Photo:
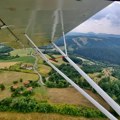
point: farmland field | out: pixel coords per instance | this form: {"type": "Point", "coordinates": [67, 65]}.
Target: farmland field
{"type": "Point", "coordinates": [71, 96]}
{"type": "Point", "coordinates": [6, 64]}
{"type": "Point", "coordinates": [44, 69]}
{"type": "Point", "coordinates": [39, 116]}
{"type": "Point", "coordinates": [21, 52]}
{"type": "Point", "coordinates": [25, 59]}
{"type": "Point", "coordinates": [7, 78]}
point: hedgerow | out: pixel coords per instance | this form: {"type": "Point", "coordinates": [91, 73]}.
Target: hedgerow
{"type": "Point", "coordinates": [27, 104]}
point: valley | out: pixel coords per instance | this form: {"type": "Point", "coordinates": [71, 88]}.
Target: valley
{"type": "Point", "coordinates": [21, 82]}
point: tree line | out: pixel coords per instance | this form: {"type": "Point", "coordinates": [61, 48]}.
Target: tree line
{"type": "Point", "coordinates": [27, 104]}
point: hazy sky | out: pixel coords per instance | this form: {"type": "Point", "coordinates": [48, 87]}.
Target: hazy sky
{"type": "Point", "coordinates": [106, 21]}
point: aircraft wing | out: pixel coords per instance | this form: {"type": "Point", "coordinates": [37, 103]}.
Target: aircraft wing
{"type": "Point", "coordinates": [36, 17]}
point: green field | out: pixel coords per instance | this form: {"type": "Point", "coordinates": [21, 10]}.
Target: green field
{"type": "Point", "coordinates": [25, 59]}
{"type": "Point", "coordinates": [21, 52]}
